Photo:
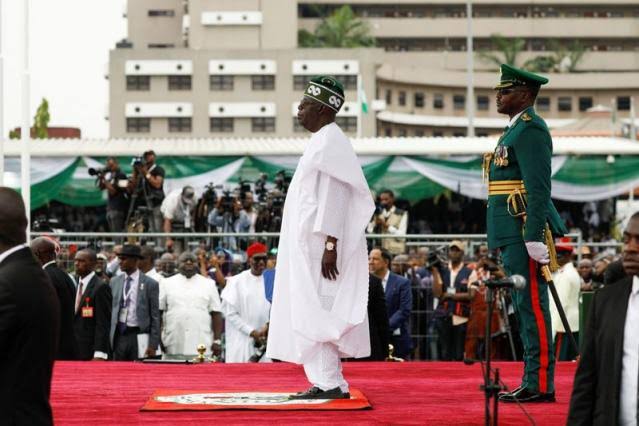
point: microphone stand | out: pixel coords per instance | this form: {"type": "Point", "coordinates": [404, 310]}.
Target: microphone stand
{"type": "Point", "coordinates": [491, 387]}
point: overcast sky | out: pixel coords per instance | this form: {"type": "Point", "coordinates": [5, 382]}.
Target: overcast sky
{"type": "Point", "coordinates": [69, 49]}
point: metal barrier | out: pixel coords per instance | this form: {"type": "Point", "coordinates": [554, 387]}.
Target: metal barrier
{"type": "Point", "coordinates": [421, 335]}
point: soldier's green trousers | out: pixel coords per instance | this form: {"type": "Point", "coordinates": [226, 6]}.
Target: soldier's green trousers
{"type": "Point", "coordinates": [533, 314]}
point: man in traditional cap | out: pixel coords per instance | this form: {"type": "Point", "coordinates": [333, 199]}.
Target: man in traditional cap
{"type": "Point", "coordinates": [246, 309]}
{"type": "Point", "coordinates": [518, 215]}
{"type": "Point", "coordinates": [321, 285]}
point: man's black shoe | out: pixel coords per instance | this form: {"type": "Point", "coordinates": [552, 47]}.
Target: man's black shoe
{"type": "Point", "coordinates": [509, 392]}
{"type": "Point", "coordinates": [317, 393]}
{"type": "Point", "coordinates": [523, 395]}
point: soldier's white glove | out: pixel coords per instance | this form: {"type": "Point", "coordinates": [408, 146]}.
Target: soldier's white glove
{"type": "Point", "coordinates": [538, 252]}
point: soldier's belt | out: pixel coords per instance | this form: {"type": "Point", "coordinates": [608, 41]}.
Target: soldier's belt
{"type": "Point", "coordinates": [505, 187]}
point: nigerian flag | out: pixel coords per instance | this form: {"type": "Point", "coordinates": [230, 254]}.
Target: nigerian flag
{"type": "Point", "coordinates": [361, 96]}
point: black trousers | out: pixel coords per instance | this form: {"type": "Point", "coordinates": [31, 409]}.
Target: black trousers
{"type": "Point", "coordinates": [125, 345]}
{"type": "Point", "coordinates": [451, 339]}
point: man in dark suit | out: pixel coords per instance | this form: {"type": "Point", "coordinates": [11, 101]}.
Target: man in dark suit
{"type": "Point", "coordinates": [45, 251]}
{"type": "Point", "coordinates": [92, 309]}
{"type": "Point", "coordinates": [29, 320]}
{"type": "Point", "coordinates": [377, 320]}
{"type": "Point", "coordinates": [135, 315]}
{"type": "Point", "coordinates": [605, 389]}
{"type": "Point", "coordinates": [399, 300]}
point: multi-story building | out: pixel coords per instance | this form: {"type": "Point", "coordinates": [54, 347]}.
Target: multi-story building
{"type": "Point", "coordinates": [233, 68]}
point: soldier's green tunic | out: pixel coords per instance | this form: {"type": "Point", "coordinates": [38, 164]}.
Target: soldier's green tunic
{"type": "Point", "coordinates": [527, 148]}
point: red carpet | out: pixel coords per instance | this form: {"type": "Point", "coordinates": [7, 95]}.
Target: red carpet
{"type": "Point", "coordinates": [112, 393]}
{"type": "Point", "coordinates": [194, 400]}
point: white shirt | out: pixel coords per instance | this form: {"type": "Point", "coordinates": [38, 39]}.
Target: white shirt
{"type": "Point", "coordinates": [154, 274]}
{"type": "Point", "coordinates": [568, 284]}
{"type": "Point", "coordinates": [385, 280]}
{"type": "Point", "coordinates": [51, 262]}
{"type": "Point", "coordinates": [515, 117]}
{"type": "Point", "coordinates": [187, 304]}
{"type": "Point", "coordinates": [132, 307]}
{"type": "Point", "coordinates": [630, 360]}
{"type": "Point", "coordinates": [12, 250]}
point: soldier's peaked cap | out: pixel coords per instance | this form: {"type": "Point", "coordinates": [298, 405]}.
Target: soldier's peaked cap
{"type": "Point", "coordinates": [512, 76]}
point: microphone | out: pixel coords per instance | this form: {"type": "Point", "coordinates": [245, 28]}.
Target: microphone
{"type": "Point", "coordinates": [516, 281]}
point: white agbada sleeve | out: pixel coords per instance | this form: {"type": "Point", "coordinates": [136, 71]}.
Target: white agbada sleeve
{"type": "Point", "coordinates": [214, 305]}
{"type": "Point", "coordinates": [332, 194]}
{"type": "Point", "coordinates": [230, 309]}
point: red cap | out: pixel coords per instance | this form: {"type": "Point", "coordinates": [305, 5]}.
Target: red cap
{"type": "Point", "coordinates": [256, 248]}
{"type": "Point", "coordinates": [564, 245]}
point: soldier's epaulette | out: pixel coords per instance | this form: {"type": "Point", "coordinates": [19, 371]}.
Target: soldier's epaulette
{"type": "Point", "coordinates": [526, 117]}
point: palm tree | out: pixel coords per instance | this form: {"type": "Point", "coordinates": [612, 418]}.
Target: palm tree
{"type": "Point", "coordinates": [508, 50]}
{"type": "Point", "coordinates": [341, 29]}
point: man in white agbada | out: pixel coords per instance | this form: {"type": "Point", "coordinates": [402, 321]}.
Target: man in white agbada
{"type": "Point", "coordinates": [191, 312]}
{"type": "Point", "coordinates": [246, 310]}
{"type": "Point", "coordinates": [321, 284]}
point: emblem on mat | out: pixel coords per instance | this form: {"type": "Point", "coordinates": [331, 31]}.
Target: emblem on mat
{"type": "Point", "coordinates": [238, 398]}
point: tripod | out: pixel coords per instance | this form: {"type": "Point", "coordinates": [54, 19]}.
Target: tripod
{"type": "Point", "coordinates": [491, 387]}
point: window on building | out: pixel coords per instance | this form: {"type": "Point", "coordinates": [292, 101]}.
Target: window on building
{"type": "Point", "coordinates": [161, 12]}
{"type": "Point", "coordinates": [300, 82]}
{"type": "Point", "coordinates": [160, 45]}
{"type": "Point", "coordinates": [388, 132]}
{"type": "Point", "coordinates": [347, 124]}
{"type": "Point", "coordinates": [221, 124]}
{"type": "Point", "coordinates": [138, 125]}
{"type": "Point", "coordinates": [483, 103]}
{"type": "Point", "coordinates": [459, 134]}
{"type": "Point", "coordinates": [348, 81]}
{"type": "Point", "coordinates": [263, 124]}
{"type": "Point", "coordinates": [420, 100]}
{"type": "Point", "coordinates": [401, 98]}
{"type": "Point", "coordinates": [389, 96]}
{"type": "Point", "coordinates": [585, 103]}
{"type": "Point", "coordinates": [482, 134]}
{"type": "Point", "coordinates": [543, 103]}
{"type": "Point", "coordinates": [221, 82]}
{"type": "Point", "coordinates": [138, 82]}
{"type": "Point", "coordinates": [438, 101]}
{"type": "Point", "coordinates": [179, 124]}
{"type": "Point", "coordinates": [438, 134]}
{"type": "Point", "coordinates": [401, 133]}
{"type": "Point", "coordinates": [623, 103]}
{"type": "Point", "coordinates": [564, 103]}
{"type": "Point", "coordinates": [179, 82]}
{"type": "Point", "coordinates": [459, 101]}
{"type": "Point", "coordinates": [263, 82]}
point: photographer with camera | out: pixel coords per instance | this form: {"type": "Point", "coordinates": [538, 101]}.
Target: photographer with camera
{"type": "Point", "coordinates": [178, 210]}
{"type": "Point", "coordinates": [111, 179]}
{"type": "Point", "coordinates": [486, 268]}
{"type": "Point", "coordinates": [388, 219]}
{"type": "Point", "coordinates": [147, 188]}
{"type": "Point", "coordinates": [229, 217]}
{"type": "Point", "coordinates": [450, 286]}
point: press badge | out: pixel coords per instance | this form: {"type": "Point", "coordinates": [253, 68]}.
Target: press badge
{"type": "Point", "coordinates": [450, 290]}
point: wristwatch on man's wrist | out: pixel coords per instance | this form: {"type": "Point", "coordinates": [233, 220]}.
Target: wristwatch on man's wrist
{"type": "Point", "coordinates": [217, 342]}
{"type": "Point", "coordinates": [330, 246]}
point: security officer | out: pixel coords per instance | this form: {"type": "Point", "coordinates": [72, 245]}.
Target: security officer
{"type": "Point", "coordinates": [521, 222]}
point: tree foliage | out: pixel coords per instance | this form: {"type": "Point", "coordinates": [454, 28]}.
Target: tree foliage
{"type": "Point", "coordinates": [341, 29]}
{"type": "Point", "coordinates": [41, 120]}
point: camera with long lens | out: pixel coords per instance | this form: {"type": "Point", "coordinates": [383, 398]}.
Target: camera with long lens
{"type": "Point", "coordinates": [137, 161]}
{"type": "Point", "coordinates": [260, 187]}
{"type": "Point", "coordinates": [434, 260]}
{"type": "Point", "coordinates": [226, 202]}
{"type": "Point", "coordinates": [99, 173]}
{"type": "Point", "coordinates": [282, 181]}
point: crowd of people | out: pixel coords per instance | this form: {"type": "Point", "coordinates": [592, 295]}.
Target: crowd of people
{"type": "Point", "coordinates": [427, 303]}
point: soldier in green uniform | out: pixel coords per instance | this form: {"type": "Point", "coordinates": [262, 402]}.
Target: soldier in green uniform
{"type": "Point", "coordinates": [521, 222]}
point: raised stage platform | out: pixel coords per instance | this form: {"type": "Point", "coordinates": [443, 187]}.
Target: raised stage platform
{"type": "Point", "coordinates": [424, 393]}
